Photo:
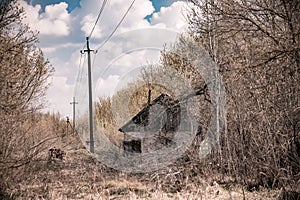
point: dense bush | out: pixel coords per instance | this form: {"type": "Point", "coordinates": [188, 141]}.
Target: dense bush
{"type": "Point", "coordinates": [23, 75]}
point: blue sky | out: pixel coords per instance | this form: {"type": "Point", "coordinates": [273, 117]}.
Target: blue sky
{"type": "Point", "coordinates": [72, 4]}
{"type": "Point", "coordinates": [64, 25]}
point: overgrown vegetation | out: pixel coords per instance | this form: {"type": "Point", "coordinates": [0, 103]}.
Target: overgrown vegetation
{"type": "Point", "coordinates": [256, 46]}
{"type": "Point", "coordinates": [23, 75]}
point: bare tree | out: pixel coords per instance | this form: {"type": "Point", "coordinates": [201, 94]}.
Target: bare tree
{"type": "Point", "coordinates": [256, 45]}
{"type": "Point", "coordinates": [23, 75]}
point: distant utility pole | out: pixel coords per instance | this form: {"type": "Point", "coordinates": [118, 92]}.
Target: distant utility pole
{"type": "Point", "coordinates": [74, 102]}
{"type": "Point", "coordinates": [88, 50]}
{"type": "Point", "coordinates": [68, 122]}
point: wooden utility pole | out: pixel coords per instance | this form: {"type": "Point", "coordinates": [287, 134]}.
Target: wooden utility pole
{"type": "Point", "coordinates": [68, 122]}
{"type": "Point", "coordinates": [73, 102]}
{"type": "Point", "coordinates": [149, 94]}
{"type": "Point", "coordinates": [91, 120]}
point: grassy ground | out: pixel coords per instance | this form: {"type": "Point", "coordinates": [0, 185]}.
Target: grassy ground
{"type": "Point", "coordinates": [80, 176]}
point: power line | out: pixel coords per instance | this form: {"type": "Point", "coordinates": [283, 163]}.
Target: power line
{"type": "Point", "coordinates": [98, 17]}
{"type": "Point", "coordinates": [91, 120]}
{"type": "Point", "coordinates": [88, 50]}
{"type": "Point", "coordinates": [79, 74]}
{"type": "Point", "coordinates": [113, 32]}
{"type": "Point", "coordinates": [74, 103]}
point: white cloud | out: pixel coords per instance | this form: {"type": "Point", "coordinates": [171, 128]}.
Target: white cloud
{"type": "Point", "coordinates": [106, 87]}
{"type": "Point", "coordinates": [58, 96]}
{"type": "Point", "coordinates": [63, 52]}
{"type": "Point", "coordinates": [54, 21]}
{"type": "Point", "coordinates": [64, 45]}
{"type": "Point", "coordinates": [87, 24]}
{"type": "Point", "coordinates": [112, 14]}
{"type": "Point", "coordinates": [172, 17]}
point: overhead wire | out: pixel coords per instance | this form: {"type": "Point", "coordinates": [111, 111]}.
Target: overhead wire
{"type": "Point", "coordinates": [118, 25]}
{"type": "Point", "coordinates": [98, 17]}
{"type": "Point", "coordinates": [80, 72]}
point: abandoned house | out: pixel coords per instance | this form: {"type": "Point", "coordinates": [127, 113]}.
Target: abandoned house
{"type": "Point", "coordinates": [154, 126]}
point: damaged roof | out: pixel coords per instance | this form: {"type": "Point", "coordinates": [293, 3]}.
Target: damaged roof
{"type": "Point", "coordinates": [161, 114]}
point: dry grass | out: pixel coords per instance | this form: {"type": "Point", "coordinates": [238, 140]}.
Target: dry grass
{"type": "Point", "coordinates": [80, 176]}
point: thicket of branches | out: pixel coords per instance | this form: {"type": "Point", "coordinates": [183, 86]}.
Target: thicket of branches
{"type": "Point", "coordinates": [23, 75]}
{"type": "Point", "coordinates": [256, 46]}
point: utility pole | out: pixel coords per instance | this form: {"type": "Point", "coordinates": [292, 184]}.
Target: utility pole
{"type": "Point", "coordinates": [74, 102]}
{"type": "Point", "coordinates": [68, 122]}
{"type": "Point", "coordinates": [91, 120]}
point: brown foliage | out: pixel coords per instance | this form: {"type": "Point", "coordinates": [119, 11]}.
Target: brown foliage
{"type": "Point", "coordinates": [256, 45]}
{"type": "Point", "coordinates": [23, 75]}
